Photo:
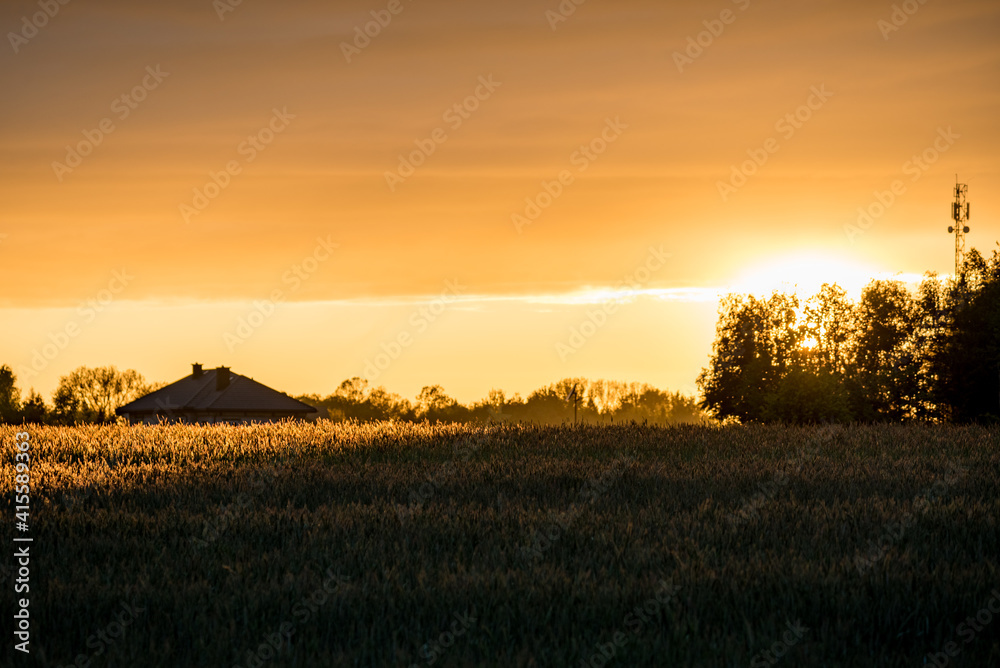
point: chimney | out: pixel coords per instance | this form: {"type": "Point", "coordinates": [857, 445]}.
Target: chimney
{"type": "Point", "coordinates": [221, 378]}
{"type": "Point", "coordinates": [196, 370]}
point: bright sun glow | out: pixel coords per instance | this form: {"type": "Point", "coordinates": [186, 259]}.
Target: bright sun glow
{"type": "Point", "coordinates": [804, 274]}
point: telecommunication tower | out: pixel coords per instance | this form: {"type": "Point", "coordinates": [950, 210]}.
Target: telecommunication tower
{"type": "Point", "coordinates": [959, 214]}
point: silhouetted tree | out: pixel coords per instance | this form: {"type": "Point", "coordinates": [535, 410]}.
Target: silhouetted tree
{"type": "Point", "coordinates": [966, 354]}
{"type": "Point", "coordinates": [433, 403]}
{"type": "Point", "coordinates": [34, 410]}
{"type": "Point", "coordinates": [388, 406]}
{"type": "Point", "coordinates": [65, 406]}
{"type": "Point", "coordinates": [755, 346]}
{"type": "Point", "coordinates": [829, 321]}
{"type": "Point", "coordinates": [894, 355]}
{"type": "Point", "coordinates": [888, 362]}
{"type": "Point", "coordinates": [94, 394]}
{"type": "Point", "coordinates": [808, 395]}
{"type": "Point", "coordinates": [353, 389]}
{"type": "Point", "coordinates": [10, 396]}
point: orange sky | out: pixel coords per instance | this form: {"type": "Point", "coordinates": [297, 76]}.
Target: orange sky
{"type": "Point", "coordinates": [267, 93]}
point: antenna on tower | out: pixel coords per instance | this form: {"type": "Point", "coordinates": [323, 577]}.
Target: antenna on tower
{"type": "Point", "coordinates": [959, 214]}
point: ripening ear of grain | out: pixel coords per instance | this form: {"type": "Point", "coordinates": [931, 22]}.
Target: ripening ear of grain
{"type": "Point", "coordinates": [297, 544]}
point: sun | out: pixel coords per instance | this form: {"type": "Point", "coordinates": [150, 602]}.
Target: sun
{"type": "Point", "coordinates": [803, 274]}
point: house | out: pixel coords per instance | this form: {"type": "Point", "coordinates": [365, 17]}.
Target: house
{"type": "Point", "coordinates": [214, 395]}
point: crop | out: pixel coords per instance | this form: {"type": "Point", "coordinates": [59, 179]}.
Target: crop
{"type": "Point", "coordinates": [302, 544]}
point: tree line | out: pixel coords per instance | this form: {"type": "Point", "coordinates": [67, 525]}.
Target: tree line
{"type": "Point", "coordinates": [91, 395]}
{"type": "Point", "coordinates": [84, 395]}
{"type": "Point", "coordinates": [893, 355]}
{"type": "Point", "coordinates": [595, 402]}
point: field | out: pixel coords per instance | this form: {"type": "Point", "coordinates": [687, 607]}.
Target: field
{"type": "Point", "coordinates": [407, 545]}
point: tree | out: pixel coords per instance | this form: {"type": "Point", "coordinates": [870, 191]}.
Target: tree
{"type": "Point", "coordinates": [887, 360]}
{"type": "Point", "coordinates": [684, 410]}
{"type": "Point", "coordinates": [755, 345]}
{"type": "Point", "coordinates": [353, 390]}
{"type": "Point", "coordinates": [966, 352]}
{"type": "Point", "coordinates": [829, 328]}
{"type": "Point", "coordinates": [496, 399]}
{"type": "Point", "coordinates": [34, 410]}
{"type": "Point", "coordinates": [65, 406]}
{"type": "Point", "coordinates": [432, 402]}
{"type": "Point", "coordinates": [808, 395]}
{"type": "Point", "coordinates": [10, 396]}
{"type": "Point", "coordinates": [388, 406]}
{"type": "Point", "coordinates": [549, 405]}
{"type": "Point", "coordinates": [94, 394]}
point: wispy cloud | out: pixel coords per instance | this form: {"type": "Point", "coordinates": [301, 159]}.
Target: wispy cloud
{"type": "Point", "coordinates": [583, 296]}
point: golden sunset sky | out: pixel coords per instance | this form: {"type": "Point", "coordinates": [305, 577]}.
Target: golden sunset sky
{"type": "Point", "coordinates": [228, 183]}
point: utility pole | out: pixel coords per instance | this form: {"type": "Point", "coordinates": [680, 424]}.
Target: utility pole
{"type": "Point", "coordinates": [575, 398]}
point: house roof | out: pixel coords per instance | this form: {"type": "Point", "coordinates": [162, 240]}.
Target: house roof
{"type": "Point", "coordinates": [198, 394]}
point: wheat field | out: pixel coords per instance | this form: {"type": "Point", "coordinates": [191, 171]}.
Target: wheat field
{"type": "Point", "coordinates": [392, 544]}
